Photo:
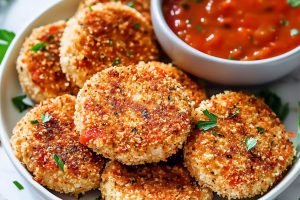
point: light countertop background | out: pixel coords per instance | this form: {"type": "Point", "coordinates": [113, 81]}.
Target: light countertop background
{"type": "Point", "coordinates": [14, 15]}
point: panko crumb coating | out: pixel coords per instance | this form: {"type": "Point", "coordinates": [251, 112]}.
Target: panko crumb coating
{"type": "Point", "coordinates": [153, 182]}
{"type": "Point", "coordinates": [39, 70]}
{"type": "Point", "coordinates": [133, 114]}
{"type": "Point", "coordinates": [102, 36]}
{"type": "Point", "coordinates": [35, 143]}
{"type": "Point", "coordinates": [143, 6]}
{"type": "Point", "coordinates": [195, 91]}
{"type": "Point", "coordinates": [218, 158]}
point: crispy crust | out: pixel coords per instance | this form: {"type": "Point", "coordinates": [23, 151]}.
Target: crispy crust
{"type": "Point", "coordinates": [218, 158]}
{"type": "Point", "coordinates": [150, 182]}
{"type": "Point", "coordinates": [133, 114]}
{"type": "Point", "coordinates": [195, 91]}
{"type": "Point", "coordinates": [106, 35]}
{"type": "Point", "coordinates": [143, 6]}
{"type": "Point", "coordinates": [35, 144]}
{"type": "Point", "coordinates": [39, 72]}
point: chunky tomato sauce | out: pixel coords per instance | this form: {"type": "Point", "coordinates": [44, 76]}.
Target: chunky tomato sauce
{"type": "Point", "coordinates": [236, 29]}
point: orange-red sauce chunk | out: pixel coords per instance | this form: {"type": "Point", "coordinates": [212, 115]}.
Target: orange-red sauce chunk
{"type": "Point", "coordinates": [235, 29]}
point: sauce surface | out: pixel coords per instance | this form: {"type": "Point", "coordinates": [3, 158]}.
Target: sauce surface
{"type": "Point", "coordinates": [235, 29]}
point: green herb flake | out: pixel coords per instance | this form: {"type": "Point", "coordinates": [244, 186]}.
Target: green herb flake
{"type": "Point", "coordinates": [275, 103]}
{"type": "Point", "coordinates": [46, 117]}
{"type": "Point", "coordinates": [198, 1]}
{"type": "Point", "coordinates": [6, 38]}
{"type": "Point", "coordinates": [294, 32]}
{"type": "Point", "coordinates": [59, 162]}
{"type": "Point", "coordinates": [230, 57]}
{"type": "Point", "coordinates": [235, 112]}
{"type": "Point", "coordinates": [131, 4]}
{"type": "Point", "coordinates": [199, 28]}
{"type": "Point", "coordinates": [260, 129]}
{"type": "Point", "coordinates": [185, 6]}
{"type": "Point", "coordinates": [137, 26]}
{"type": "Point", "coordinates": [41, 46]}
{"type": "Point", "coordinates": [117, 61]}
{"type": "Point", "coordinates": [128, 53]}
{"type": "Point", "coordinates": [250, 143]}
{"type": "Point", "coordinates": [110, 42]}
{"type": "Point", "coordinates": [18, 185]}
{"type": "Point", "coordinates": [34, 121]}
{"type": "Point", "coordinates": [284, 22]}
{"type": "Point", "coordinates": [206, 125]}
{"type": "Point", "coordinates": [90, 7]}
{"type": "Point", "coordinates": [294, 3]}
{"type": "Point", "coordinates": [19, 104]}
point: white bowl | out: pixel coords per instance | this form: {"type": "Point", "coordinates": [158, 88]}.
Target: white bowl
{"type": "Point", "coordinates": [215, 69]}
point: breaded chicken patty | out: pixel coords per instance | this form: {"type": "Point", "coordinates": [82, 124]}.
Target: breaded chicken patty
{"type": "Point", "coordinates": [102, 36]}
{"type": "Point", "coordinates": [240, 148]}
{"type": "Point", "coordinates": [38, 64]}
{"type": "Point", "coordinates": [143, 6]}
{"type": "Point", "coordinates": [133, 114]}
{"type": "Point", "coordinates": [195, 91]}
{"type": "Point", "coordinates": [46, 142]}
{"type": "Point", "coordinates": [153, 182]}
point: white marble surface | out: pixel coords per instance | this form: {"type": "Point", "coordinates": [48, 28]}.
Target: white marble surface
{"type": "Point", "coordinates": [13, 16]}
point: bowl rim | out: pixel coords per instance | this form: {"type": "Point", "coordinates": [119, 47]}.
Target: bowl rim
{"type": "Point", "coordinates": [157, 14]}
{"type": "Point", "coordinates": [4, 136]}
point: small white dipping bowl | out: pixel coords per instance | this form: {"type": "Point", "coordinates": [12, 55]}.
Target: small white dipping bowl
{"type": "Point", "coordinates": [219, 70]}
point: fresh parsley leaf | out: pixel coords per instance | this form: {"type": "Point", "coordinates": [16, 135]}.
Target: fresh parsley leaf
{"type": "Point", "coordinates": [294, 32]}
{"type": "Point", "coordinates": [90, 7]}
{"type": "Point", "coordinates": [59, 162]}
{"type": "Point", "coordinates": [34, 122]}
{"type": "Point", "coordinates": [260, 129]}
{"type": "Point", "coordinates": [18, 185]}
{"type": "Point", "coordinates": [284, 22]}
{"type": "Point", "coordinates": [250, 143]}
{"type": "Point", "coordinates": [275, 103]}
{"type": "Point", "coordinates": [198, 1]}
{"type": "Point", "coordinates": [131, 4]}
{"type": "Point", "coordinates": [235, 112]}
{"type": "Point", "coordinates": [110, 42]}
{"type": "Point", "coordinates": [206, 125]}
{"type": "Point", "coordinates": [41, 46]}
{"type": "Point", "coordinates": [117, 61]}
{"type": "Point", "coordinates": [137, 26]}
{"type": "Point", "coordinates": [46, 117]}
{"type": "Point", "coordinates": [199, 28]}
{"type": "Point", "coordinates": [185, 6]}
{"type": "Point", "coordinates": [6, 38]}
{"type": "Point", "coordinates": [128, 53]}
{"type": "Point", "coordinates": [294, 3]}
{"type": "Point", "coordinates": [20, 104]}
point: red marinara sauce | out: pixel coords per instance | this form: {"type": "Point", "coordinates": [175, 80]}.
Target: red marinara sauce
{"type": "Point", "coordinates": [236, 29]}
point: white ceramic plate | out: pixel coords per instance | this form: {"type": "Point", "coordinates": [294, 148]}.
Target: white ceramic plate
{"type": "Point", "coordinates": [288, 88]}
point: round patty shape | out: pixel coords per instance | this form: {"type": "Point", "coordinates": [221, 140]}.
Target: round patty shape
{"type": "Point", "coordinates": [46, 137]}
{"type": "Point", "coordinates": [38, 64]}
{"type": "Point", "coordinates": [245, 154]}
{"type": "Point", "coordinates": [195, 91]}
{"type": "Point", "coordinates": [102, 36]}
{"type": "Point", "coordinates": [143, 6]}
{"type": "Point", "coordinates": [150, 182]}
{"type": "Point", "coordinates": [133, 114]}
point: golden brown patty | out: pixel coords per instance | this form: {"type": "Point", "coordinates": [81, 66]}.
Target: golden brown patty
{"type": "Point", "coordinates": [218, 158]}
{"type": "Point", "coordinates": [133, 114]}
{"type": "Point", "coordinates": [102, 36]}
{"type": "Point", "coordinates": [143, 6]}
{"type": "Point", "coordinates": [38, 64]}
{"type": "Point", "coordinates": [35, 144]}
{"type": "Point", "coordinates": [195, 91]}
{"type": "Point", "coordinates": [150, 182]}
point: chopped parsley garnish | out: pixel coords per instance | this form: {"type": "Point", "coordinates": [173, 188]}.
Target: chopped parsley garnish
{"type": "Point", "coordinates": [185, 6]}
{"type": "Point", "coordinates": [131, 4]}
{"type": "Point", "coordinates": [199, 28]}
{"type": "Point", "coordinates": [90, 8]}
{"type": "Point", "coordinates": [46, 117]}
{"type": "Point", "coordinates": [137, 26]}
{"type": "Point", "coordinates": [128, 53]}
{"type": "Point", "coordinates": [20, 104]}
{"type": "Point", "coordinates": [18, 185]}
{"type": "Point", "coordinates": [117, 61]}
{"type": "Point", "coordinates": [206, 125]}
{"type": "Point", "coordinates": [275, 103]}
{"type": "Point", "coordinates": [235, 112]}
{"type": "Point", "coordinates": [294, 32]}
{"type": "Point", "coordinates": [41, 46]}
{"type": "Point", "coordinates": [6, 38]}
{"type": "Point", "coordinates": [250, 143]}
{"type": "Point", "coordinates": [34, 121]}
{"type": "Point", "coordinates": [59, 162]}
{"type": "Point", "coordinates": [230, 58]}
{"type": "Point", "coordinates": [198, 1]}
{"type": "Point", "coordinates": [284, 22]}
{"type": "Point", "coordinates": [110, 42]}
{"type": "Point", "coordinates": [294, 3]}
{"type": "Point", "coordinates": [260, 129]}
